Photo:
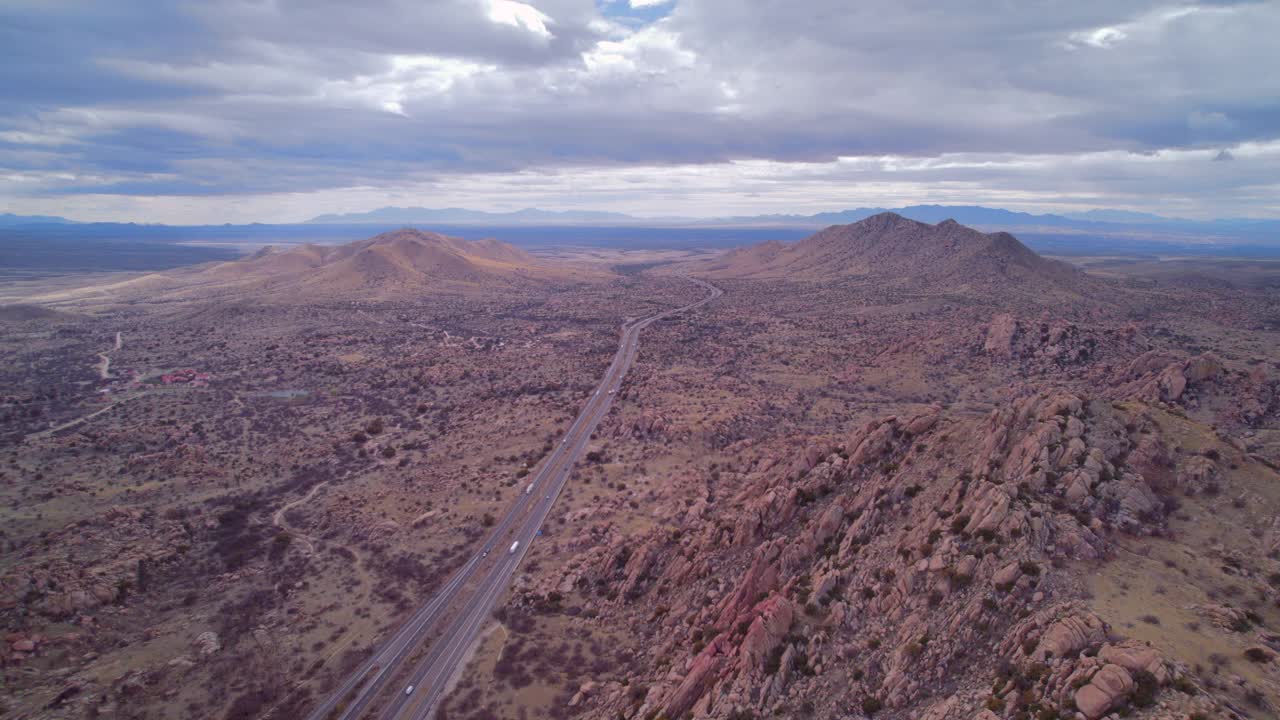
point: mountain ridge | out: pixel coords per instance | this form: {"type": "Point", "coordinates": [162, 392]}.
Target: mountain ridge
{"type": "Point", "coordinates": [1091, 220]}
{"type": "Point", "coordinates": [894, 250]}
{"type": "Point", "coordinates": [12, 220]}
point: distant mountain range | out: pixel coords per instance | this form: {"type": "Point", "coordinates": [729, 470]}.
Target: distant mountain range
{"type": "Point", "coordinates": [1104, 231]}
{"type": "Point", "coordinates": [460, 216]}
{"type": "Point", "coordinates": [9, 219]}
{"type": "Point", "coordinates": [975, 215]}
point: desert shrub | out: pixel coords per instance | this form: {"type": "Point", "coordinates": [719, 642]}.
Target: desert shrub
{"type": "Point", "coordinates": [1257, 654]}
{"type": "Point", "coordinates": [279, 545]}
{"type": "Point", "coordinates": [871, 705]}
{"type": "Point", "coordinates": [250, 705]}
{"type": "Point", "coordinates": [235, 540]}
{"type": "Point", "coordinates": [1145, 688]}
{"type": "Point", "coordinates": [1256, 698]}
{"type": "Point", "coordinates": [774, 659]}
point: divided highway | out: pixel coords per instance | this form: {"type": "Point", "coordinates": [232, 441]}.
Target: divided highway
{"type": "Point", "coordinates": [453, 618]}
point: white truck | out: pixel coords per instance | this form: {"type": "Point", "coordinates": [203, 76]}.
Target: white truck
{"type": "Point", "coordinates": [514, 545]}
{"type": "Point", "coordinates": [528, 489]}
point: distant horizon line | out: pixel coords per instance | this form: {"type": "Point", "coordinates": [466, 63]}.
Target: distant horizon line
{"type": "Point", "coordinates": [533, 215]}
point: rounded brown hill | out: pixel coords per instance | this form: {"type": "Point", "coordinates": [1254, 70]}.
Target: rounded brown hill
{"type": "Point", "coordinates": [405, 262]}
{"type": "Point", "coordinates": [891, 249]}
{"type": "Point", "coordinates": [401, 257]}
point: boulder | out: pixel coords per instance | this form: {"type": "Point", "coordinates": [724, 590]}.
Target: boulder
{"type": "Point", "coordinates": [208, 643]}
{"type": "Point", "coordinates": [766, 631]}
{"type": "Point", "coordinates": [875, 443]}
{"type": "Point", "coordinates": [1171, 383]}
{"type": "Point", "coordinates": [1000, 335]}
{"type": "Point", "coordinates": [1196, 473]}
{"type": "Point", "coordinates": [1201, 368]}
{"type": "Point", "coordinates": [828, 524]}
{"type": "Point", "coordinates": [700, 676]}
{"type": "Point", "coordinates": [1007, 575]}
{"type": "Point", "coordinates": [1135, 657]}
{"type": "Point", "coordinates": [1106, 689]}
{"type": "Point", "coordinates": [1069, 635]}
{"type": "Point", "coordinates": [922, 422]}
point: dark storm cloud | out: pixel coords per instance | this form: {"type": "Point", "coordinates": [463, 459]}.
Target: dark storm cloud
{"type": "Point", "coordinates": [254, 96]}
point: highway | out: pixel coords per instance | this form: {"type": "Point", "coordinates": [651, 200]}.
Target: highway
{"type": "Point", "coordinates": [452, 619]}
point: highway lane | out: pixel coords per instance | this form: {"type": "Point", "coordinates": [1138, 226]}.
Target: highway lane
{"type": "Point", "coordinates": [429, 679]}
{"type": "Point", "coordinates": [373, 675]}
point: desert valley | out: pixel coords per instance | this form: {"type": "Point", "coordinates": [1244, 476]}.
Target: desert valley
{"type": "Point", "coordinates": [893, 470]}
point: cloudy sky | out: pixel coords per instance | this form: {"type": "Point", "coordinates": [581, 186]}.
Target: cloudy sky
{"type": "Point", "coordinates": [279, 110]}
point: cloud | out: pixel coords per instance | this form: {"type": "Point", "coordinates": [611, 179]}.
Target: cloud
{"type": "Point", "coordinates": [520, 15]}
{"type": "Point", "coordinates": [1210, 122]}
{"type": "Point", "coordinates": [238, 99]}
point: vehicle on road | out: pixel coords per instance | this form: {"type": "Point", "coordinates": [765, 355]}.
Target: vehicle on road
{"type": "Point", "coordinates": [528, 489]}
{"type": "Point", "coordinates": [484, 554]}
{"type": "Point", "coordinates": [612, 392]}
{"type": "Point", "coordinates": [408, 690]}
{"type": "Point", "coordinates": [514, 545]}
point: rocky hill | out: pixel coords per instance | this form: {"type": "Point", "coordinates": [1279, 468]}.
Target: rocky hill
{"type": "Point", "coordinates": [405, 257]}
{"type": "Point", "coordinates": [889, 248]}
{"type": "Point", "coordinates": [387, 266]}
